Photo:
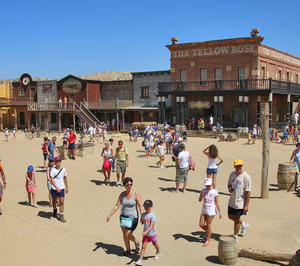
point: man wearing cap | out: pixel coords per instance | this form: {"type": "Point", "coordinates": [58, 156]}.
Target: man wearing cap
{"type": "Point", "coordinates": [72, 145]}
{"type": "Point", "coordinates": [239, 185]}
{"type": "Point", "coordinates": [59, 188]}
{"type": "Point", "coordinates": [2, 183]}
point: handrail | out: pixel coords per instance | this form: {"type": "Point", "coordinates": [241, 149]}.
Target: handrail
{"type": "Point", "coordinates": [86, 117]}
{"type": "Point", "coordinates": [82, 104]}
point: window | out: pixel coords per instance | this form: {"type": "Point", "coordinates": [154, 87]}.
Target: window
{"type": "Point", "coordinates": [21, 92]}
{"type": "Point", "coordinates": [145, 92]}
{"type": "Point", "coordinates": [279, 75]}
{"type": "Point", "coordinates": [107, 95]}
{"type": "Point", "coordinates": [263, 73]}
{"type": "Point", "coordinates": [218, 73]}
{"type": "Point", "coordinates": [203, 76]}
{"type": "Point", "coordinates": [297, 78]}
{"type": "Point", "coordinates": [183, 75]}
{"type": "Point", "coordinates": [287, 76]}
{"type": "Point", "coordinates": [22, 118]}
{"type": "Point", "coordinates": [117, 94]}
{"type": "Point", "coordinates": [242, 73]}
{"type": "Point", "coordinates": [126, 95]}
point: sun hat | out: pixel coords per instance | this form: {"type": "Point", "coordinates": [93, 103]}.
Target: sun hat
{"type": "Point", "coordinates": [57, 159]}
{"type": "Point", "coordinates": [30, 169]}
{"type": "Point", "coordinates": [238, 162]}
{"type": "Point", "coordinates": [207, 182]}
{"type": "Point", "coordinates": [180, 139]}
{"type": "Point", "coordinates": [148, 203]}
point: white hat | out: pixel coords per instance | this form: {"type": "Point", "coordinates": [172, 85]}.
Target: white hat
{"type": "Point", "coordinates": [207, 182]}
{"type": "Point", "coordinates": [180, 139]}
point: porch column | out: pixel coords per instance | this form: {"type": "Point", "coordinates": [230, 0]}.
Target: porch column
{"type": "Point", "coordinates": [216, 101]}
{"type": "Point", "coordinates": [182, 100]}
{"type": "Point", "coordinates": [28, 120]}
{"type": "Point", "coordinates": [159, 110]}
{"type": "Point", "coordinates": [178, 108]}
{"type": "Point", "coordinates": [221, 109]}
{"type": "Point", "coordinates": [74, 121]}
{"type": "Point", "coordinates": [288, 114]}
{"type": "Point", "coordinates": [118, 121]}
{"type": "Point", "coordinates": [59, 122]}
{"type": "Point", "coordinates": [46, 122]}
{"type": "Point", "coordinates": [142, 117]}
{"type": "Point", "coordinates": [163, 108]}
{"type": "Point", "coordinates": [270, 108]}
{"type": "Point", "coordinates": [123, 120]}
{"type": "Point", "coordinates": [246, 100]}
{"type": "Point", "coordinates": [241, 119]}
{"type": "Point", "coordinates": [1, 119]}
{"type": "Point", "coordinates": [36, 120]}
{"type": "Point", "coordinates": [258, 110]}
{"type": "Point", "coordinates": [15, 118]}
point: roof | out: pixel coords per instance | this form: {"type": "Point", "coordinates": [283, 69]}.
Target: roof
{"type": "Point", "coordinates": [151, 72]}
{"type": "Point", "coordinates": [108, 76]}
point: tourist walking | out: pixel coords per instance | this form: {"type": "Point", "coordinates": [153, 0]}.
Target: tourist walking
{"type": "Point", "coordinates": [135, 134]}
{"type": "Point", "coordinates": [131, 202]}
{"type": "Point", "coordinates": [168, 140]}
{"type": "Point", "coordinates": [32, 129]}
{"type": "Point", "coordinates": [72, 144]}
{"type": "Point", "coordinates": [108, 160]}
{"type": "Point", "coordinates": [239, 185]}
{"type": "Point", "coordinates": [31, 186]}
{"type": "Point", "coordinates": [212, 154]}
{"type": "Point", "coordinates": [295, 157]}
{"type": "Point", "coordinates": [52, 148]}
{"type": "Point", "coordinates": [149, 233]}
{"type": "Point", "coordinates": [122, 161]}
{"type": "Point", "coordinates": [183, 171]}
{"type": "Point", "coordinates": [2, 183]}
{"type": "Point", "coordinates": [14, 133]}
{"type": "Point", "coordinates": [6, 134]}
{"type": "Point", "coordinates": [211, 122]}
{"type": "Point", "coordinates": [210, 199]}
{"type": "Point", "coordinates": [111, 142]}
{"type": "Point", "coordinates": [49, 184]}
{"type": "Point", "coordinates": [160, 153]}
{"type": "Point", "coordinates": [45, 151]}
{"type": "Point", "coordinates": [59, 187]}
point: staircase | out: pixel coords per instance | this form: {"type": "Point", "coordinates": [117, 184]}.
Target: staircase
{"type": "Point", "coordinates": [85, 115]}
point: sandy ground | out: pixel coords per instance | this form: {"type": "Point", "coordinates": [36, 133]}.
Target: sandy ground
{"type": "Point", "coordinates": [30, 236]}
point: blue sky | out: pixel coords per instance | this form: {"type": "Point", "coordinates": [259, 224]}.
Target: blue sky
{"type": "Point", "coordinates": [51, 39]}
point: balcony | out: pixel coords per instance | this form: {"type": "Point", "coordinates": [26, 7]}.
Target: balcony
{"type": "Point", "coordinates": [215, 85]}
{"type": "Point", "coordinates": [51, 107]}
{"type": "Point", "coordinates": [109, 104]}
{"type": "Point", "coordinates": [15, 101]}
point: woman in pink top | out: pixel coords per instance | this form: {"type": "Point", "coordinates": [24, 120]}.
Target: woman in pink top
{"type": "Point", "coordinates": [31, 186]}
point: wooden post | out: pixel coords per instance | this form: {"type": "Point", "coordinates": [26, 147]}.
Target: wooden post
{"type": "Point", "coordinates": [1, 119]}
{"type": "Point", "coordinates": [265, 150]}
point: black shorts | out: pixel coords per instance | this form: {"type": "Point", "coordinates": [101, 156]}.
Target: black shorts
{"type": "Point", "coordinates": [235, 212]}
{"type": "Point", "coordinates": [134, 223]}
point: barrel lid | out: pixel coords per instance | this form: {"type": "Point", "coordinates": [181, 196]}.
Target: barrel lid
{"type": "Point", "coordinates": [227, 238]}
{"type": "Point", "coordinates": [287, 163]}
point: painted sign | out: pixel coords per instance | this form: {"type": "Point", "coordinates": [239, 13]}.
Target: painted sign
{"type": "Point", "coordinates": [47, 88]}
{"type": "Point", "coordinates": [72, 86]}
{"type": "Point", "coordinates": [280, 56]}
{"type": "Point", "coordinates": [199, 105]}
{"type": "Point", "coordinates": [202, 52]}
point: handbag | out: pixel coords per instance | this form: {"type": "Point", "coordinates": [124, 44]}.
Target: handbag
{"type": "Point", "coordinates": [126, 222]}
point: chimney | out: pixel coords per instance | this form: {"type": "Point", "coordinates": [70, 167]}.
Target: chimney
{"type": "Point", "coordinates": [174, 41]}
{"type": "Point", "coordinates": [255, 33]}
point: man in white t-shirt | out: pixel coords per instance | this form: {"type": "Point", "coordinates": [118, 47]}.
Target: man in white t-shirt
{"type": "Point", "coordinates": [183, 170]}
{"type": "Point", "coordinates": [59, 187]}
{"type": "Point", "coordinates": [296, 117]}
{"type": "Point", "coordinates": [211, 122]}
{"type": "Point", "coordinates": [239, 185]}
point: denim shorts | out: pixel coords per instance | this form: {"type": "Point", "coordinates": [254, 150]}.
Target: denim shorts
{"type": "Point", "coordinates": [55, 194]}
{"type": "Point", "coordinates": [45, 156]}
{"type": "Point", "coordinates": [212, 171]}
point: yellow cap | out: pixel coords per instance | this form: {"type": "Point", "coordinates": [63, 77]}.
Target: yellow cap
{"type": "Point", "coordinates": [238, 162]}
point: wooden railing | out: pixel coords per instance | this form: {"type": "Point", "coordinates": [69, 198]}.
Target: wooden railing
{"type": "Point", "coordinates": [109, 104]}
{"type": "Point", "coordinates": [16, 101]}
{"type": "Point", "coordinates": [50, 106]}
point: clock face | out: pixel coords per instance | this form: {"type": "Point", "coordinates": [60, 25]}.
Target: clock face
{"type": "Point", "coordinates": [25, 81]}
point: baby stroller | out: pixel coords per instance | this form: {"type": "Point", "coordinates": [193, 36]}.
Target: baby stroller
{"type": "Point", "coordinates": [184, 136]}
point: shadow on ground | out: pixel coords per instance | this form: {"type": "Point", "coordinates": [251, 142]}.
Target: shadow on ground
{"type": "Point", "coordinates": [102, 183]}
{"type": "Point", "coordinates": [43, 203]}
{"type": "Point", "coordinates": [166, 179]}
{"type": "Point", "coordinates": [43, 214]}
{"type": "Point", "coordinates": [24, 203]}
{"type": "Point", "coordinates": [213, 259]}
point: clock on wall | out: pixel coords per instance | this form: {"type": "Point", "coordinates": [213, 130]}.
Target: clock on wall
{"type": "Point", "coordinates": [26, 79]}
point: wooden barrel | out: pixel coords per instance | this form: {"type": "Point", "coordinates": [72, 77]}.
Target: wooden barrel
{"type": "Point", "coordinates": [286, 175]}
{"type": "Point", "coordinates": [223, 137]}
{"type": "Point", "coordinates": [296, 261]}
{"type": "Point", "coordinates": [228, 250]}
{"type": "Point", "coordinates": [232, 137]}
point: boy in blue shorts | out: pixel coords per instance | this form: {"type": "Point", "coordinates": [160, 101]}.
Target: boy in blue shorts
{"type": "Point", "coordinates": [149, 234]}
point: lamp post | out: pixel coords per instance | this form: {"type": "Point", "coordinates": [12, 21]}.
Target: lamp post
{"type": "Point", "coordinates": [182, 101]}
{"type": "Point", "coordinates": [216, 100]}
{"type": "Point", "coordinates": [221, 106]}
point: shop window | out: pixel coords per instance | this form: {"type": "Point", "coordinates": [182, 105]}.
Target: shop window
{"type": "Point", "coordinates": [218, 73]}
{"type": "Point", "coordinates": [183, 75]}
{"type": "Point", "coordinates": [263, 73]}
{"type": "Point", "coordinates": [145, 92]}
{"type": "Point", "coordinates": [21, 92]}
{"type": "Point", "coordinates": [242, 73]}
{"type": "Point", "coordinates": [203, 76]}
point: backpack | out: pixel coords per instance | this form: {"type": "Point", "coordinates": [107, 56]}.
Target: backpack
{"type": "Point", "coordinates": [106, 165]}
{"type": "Point", "coordinates": [143, 143]}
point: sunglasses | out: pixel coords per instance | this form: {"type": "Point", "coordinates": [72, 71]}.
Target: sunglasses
{"type": "Point", "coordinates": [128, 185]}
{"type": "Point", "coordinates": [120, 144]}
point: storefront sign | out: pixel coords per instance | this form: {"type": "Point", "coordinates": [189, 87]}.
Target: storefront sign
{"type": "Point", "coordinates": [199, 105]}
{"type": "Point", "coordinates": [240, 49]}
{"type": "Point", "coordinates": [72, 86]}
{"type": "Point", "coordinates": [281, 56]}
{"type": "Point", "coordinates": [47, 88]}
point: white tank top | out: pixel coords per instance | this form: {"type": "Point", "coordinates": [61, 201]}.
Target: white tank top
{"type": "Point", "coordinates": [108, 153]}
{"type": "Point", "coordinates": [212, 163]}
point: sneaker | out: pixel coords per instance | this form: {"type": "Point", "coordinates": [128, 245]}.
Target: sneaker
{"type": "Point", "coordinates": [108, 184]}
{"type": "Point", "coordinates": [54, 213]}
{"type": "Point", "coordinates": [245, 227]}
{"type": "Point", "coordinates": [175, 191]}
{"type": "Point", "coordinates": [62, 218]}
{"type": "Point", "coordinates": [117, 184]}
{"type": "Point", "coordinates": [183, 191]}
{"type": "Point", "coordinates": [139, 262]}
{"type": "Point", "coordinates": [161, 167]}
{"type": "Point", "coordinates": [236, 238]}
{"type": "Point", "coordinates": [157, 255]}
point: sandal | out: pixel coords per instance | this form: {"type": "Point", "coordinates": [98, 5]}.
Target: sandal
{"type": "Point", "coordinates": [206, 244]}
{"type": "Point", "coordinates": [126, 253]}
{"type": "Point", "coordinates": [137, 247]}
